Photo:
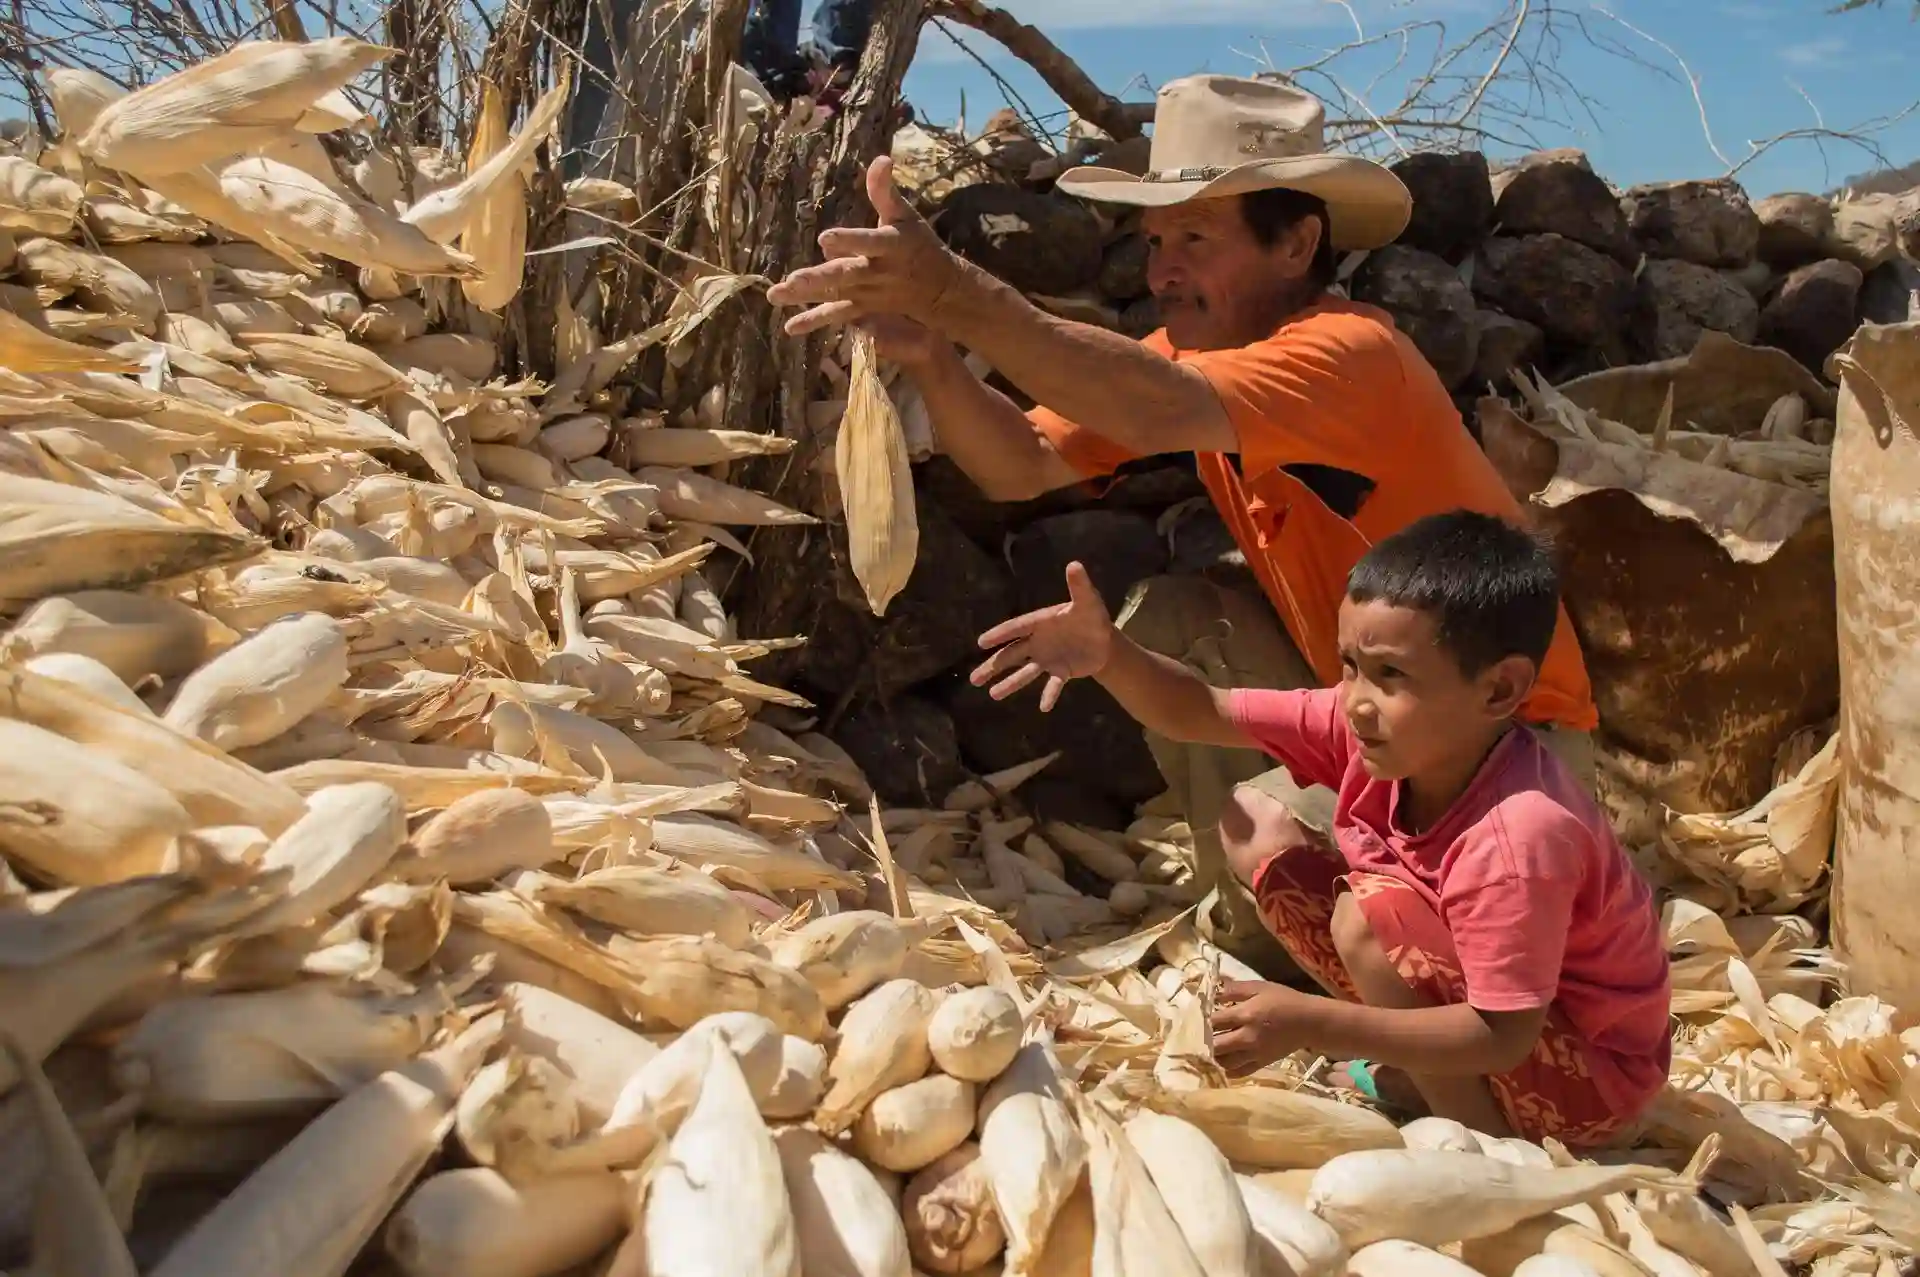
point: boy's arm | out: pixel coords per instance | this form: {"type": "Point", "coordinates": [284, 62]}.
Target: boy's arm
{"type": "Point", "coordinates": [1259, 1023]}
{"type": "Point", "coordinates": [1165, 696]}
{"type": "Point", "coordinates": [1458, 1039]}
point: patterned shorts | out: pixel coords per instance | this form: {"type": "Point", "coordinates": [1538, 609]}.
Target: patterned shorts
{"type": "Point", "coordinates": [1552, 1093]}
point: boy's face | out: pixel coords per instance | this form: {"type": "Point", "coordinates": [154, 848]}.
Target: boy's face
{"type": "Point", "coordinates": [1413, 710]}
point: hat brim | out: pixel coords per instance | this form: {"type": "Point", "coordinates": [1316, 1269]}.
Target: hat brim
{"type": "Point", "coordinates": [1368, 205]}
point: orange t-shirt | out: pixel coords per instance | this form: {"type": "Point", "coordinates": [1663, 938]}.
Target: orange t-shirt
{"type": "Point", "coordinates": [1337, 386]}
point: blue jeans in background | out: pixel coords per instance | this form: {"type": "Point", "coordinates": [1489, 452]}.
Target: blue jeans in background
{"type": "Point", "coordinates": [770, 45]}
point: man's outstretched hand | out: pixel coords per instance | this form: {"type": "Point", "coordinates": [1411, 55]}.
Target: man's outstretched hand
{"type": "Point", "coordinates": [898, 268]}
{"type": "Point", "coordinates": [1066, 641]}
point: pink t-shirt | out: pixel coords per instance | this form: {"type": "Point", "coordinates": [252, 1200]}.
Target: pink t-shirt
{"type": "Point", "coordinates": [1544, 906]}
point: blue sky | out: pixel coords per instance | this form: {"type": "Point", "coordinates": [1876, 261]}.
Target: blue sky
{"type": "Point", "coordinates": [1641, 124]}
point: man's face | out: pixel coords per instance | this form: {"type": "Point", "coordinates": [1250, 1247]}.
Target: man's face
{"type": "Point", "coordinates": [1216, 285]}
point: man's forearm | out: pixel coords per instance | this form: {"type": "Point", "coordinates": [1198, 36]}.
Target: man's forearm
{"type": "Point", "coordinates": [985, 433]}
{"type": "Point", "coordinates": [1165, 696]}
{"type": "Point", "coordinates": [1100, 380]}
{"type": "Point", "coordinates": [1450, 1040]}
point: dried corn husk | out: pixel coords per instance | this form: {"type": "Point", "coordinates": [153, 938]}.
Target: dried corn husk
{"type": "Point", "coordinates": [1033, 1150]}
{"type": "Point", "coordinates": [227, 104]}
{"type": "Point", "coordinates": [883, 1044]}
{"type": "Point", "coordinates": [368, 1147]}
{"type": "Point", "coordinates": [264, 685]}
{"type": "Point", "coordinates": [1434, 1197]}
{"type": "Point", "coordinates": [246, 1055]}
{"type": "Point", "coordinates": [653, 902]}
{"type": "Point", "coordinates": [718, 1203]}
{"type": "Point", "coordinates": [876, 483]}
{"type": "Point", "coordinates": [908, 1127]}
{"type": "Point", "coordinates": [844, 954]}
{"type": "Point", "coordinates": [34, 200]}
{"type": "Point", "coordinates": [66, 826]}
{"type": "Point", "coordinates": [214, 788]}
{"type": "Point", "coordinates": [1134, 1232]}
{"type": "Point", "coordinates": [1199, 1190]}
{"type": "Point", "coordinates": [974, 1034]}
{"type": "Point", "coordinates": [951, 1225]}
{"type": "Point", "coordinates": [473, 1223]}
{"type": "Point", "coordinates": [79, 95]}
{"type": "Point", "coordinates": [99, 280]}
{"type": "Point", "coordinates": [479, 838]}
{"type": "Point", "coordinates": [845, 1221]}
{"type": "Point", "coordinates": [298, 209]}
{"type": "Point", "coordinates": [24, 348]}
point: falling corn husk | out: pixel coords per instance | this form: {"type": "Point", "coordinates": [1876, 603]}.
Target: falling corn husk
{"type": "Point", "coordinates": [876, 483]}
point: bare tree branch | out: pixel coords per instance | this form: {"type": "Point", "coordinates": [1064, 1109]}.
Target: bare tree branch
{"type": "Point", "coordinates": [1117, 119]}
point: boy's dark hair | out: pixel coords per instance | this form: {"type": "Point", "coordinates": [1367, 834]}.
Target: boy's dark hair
{"type": "Point", "coordinates": [1271, 212]}
{"type": "Point", "coordinates": [1490, 587]}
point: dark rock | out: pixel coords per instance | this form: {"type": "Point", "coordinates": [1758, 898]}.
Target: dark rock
{"type": "Point", "coordinates": [1679, 299]}
{"type": "Point", "coordinates": [1009, 146]}
{"type": "Point", "coordinates": [1430, 303]}
{"type": "Point", "coordinates": [1709, 223]}
{"type": "Point", "coordinates": [1756, 277]}
{"type": "Point", "coordinates": [1140, 318]}
{"type": "Point", "coordinates": [1117, 548]}
{"type": "Point", "coordinates": [1887, 296]}
{"type": "Point", "coordinates": [1452, 202]}
{"type": "Point", "coordinates": [1152, 484]}
{"type": "Point", "coordinates": [1203, 546]}
{"type": "Point", "coordinates": [1101, 748]}
{"type": "Point", "coordinates": [907, 748]}
{"type": "Point", "coordinates": [1037, 242]}
{"type": "Point", "coordinates": [985, 520]}
{"type": "Point", "coordinates": [1123, 271]}
{"type": "Point", "coordinates": [1506, 343]}
{"type": "Point", "coordinates": [1201, 542]}
{"type": "Point", "coordinates": [1795, 229]}
{"type": "Point", "coordinates": [1558, 193]}
{"type": "Point", "coordinates": [1076, 804]}
{"type": "Point", "coordinates": [1129, 156]}
{"type": "Point", "coordinates": [1573, 293]}
{"type": "Point", "coordinates": [956, 591]}
{"type": "Point", "coordinates": [1814, 313]}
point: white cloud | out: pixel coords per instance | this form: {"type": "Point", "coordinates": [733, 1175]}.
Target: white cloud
{"type": "Point", "coordinates": [1825, 51]}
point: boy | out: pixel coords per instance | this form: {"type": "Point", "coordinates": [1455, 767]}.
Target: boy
{"type": "Point", "coordinates": [1493, 955]}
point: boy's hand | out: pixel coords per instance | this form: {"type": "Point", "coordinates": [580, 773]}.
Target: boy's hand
{"type": "Point", "coordinates": [1066, 641]}
{"type": "Point", "coordinates": [1257, 1023]}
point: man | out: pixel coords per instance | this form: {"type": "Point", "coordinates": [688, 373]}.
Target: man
{"type": "Point", "coordinates": [1317, 427]}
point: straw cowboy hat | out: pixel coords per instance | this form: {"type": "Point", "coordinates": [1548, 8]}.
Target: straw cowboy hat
{"type": "Point", "coordinates": [1216, 135]}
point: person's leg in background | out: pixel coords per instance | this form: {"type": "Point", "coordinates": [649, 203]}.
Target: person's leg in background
{"type": "Point", "coordinates": [840, 31]}
{"type": "Point", "coordinates": [1231, 640]}
{"type": "Point", "coordinates": [770, 45]}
